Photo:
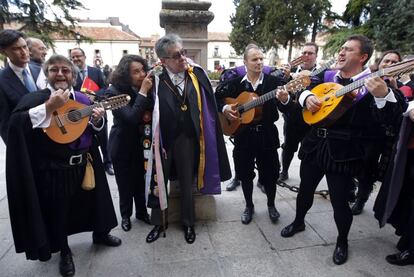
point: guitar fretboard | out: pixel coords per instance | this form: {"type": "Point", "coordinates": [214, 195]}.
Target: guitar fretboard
{"type": "Point", "coordinates": [258, 101]}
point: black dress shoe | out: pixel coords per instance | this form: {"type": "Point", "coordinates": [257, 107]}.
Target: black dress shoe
{"type": "Point", "coordinates": [144, 217]}
{"type": "Point", "coordinates": [126, 224]}
{"type": "Point", "coordinates": [109, 169]}
{"type": "Point", "coordinates": [247, 215]}
{"type": "Point", "coordinates": [189, 234]}
{"type": "Point", "coordinates": [340, 254]}
{"type": "Point", "coordinates": [66, 265]}
{"type": "Point", "coordinates": [273, 214]}
{"type": "Point", "coordinates": [402, 258]}
{"type": "Point", "coordinates": [358, 206]}
{"type": "Point", "coordinates": [292, 229]}
{"type": "Point", "coordinates": [233, 184]}
{"type": "Point", "coordinates": [283, 176]}
{"type": "Point", "coordinates": [261, 187]}
{"type": "Point", "coordinates": [107, 240]}
{"type": "Point", "coordinates": [154, 234]}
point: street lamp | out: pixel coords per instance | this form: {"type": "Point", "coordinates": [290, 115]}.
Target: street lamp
{"type": "Point", "coordinates": [78, 38]}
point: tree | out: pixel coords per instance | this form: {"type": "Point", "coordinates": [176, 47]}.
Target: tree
{"type": "Point", "coordinates": [392, 26]}
{"type": "Point", "coordinates": [274, 23]}
{"type": "Point", "coordinates": [247, 23]}
{"type": "Point", "coordinates": [41, 18]}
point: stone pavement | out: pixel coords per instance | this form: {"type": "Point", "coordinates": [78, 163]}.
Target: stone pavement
{"type": "Point", "coordinates": [224, 247]}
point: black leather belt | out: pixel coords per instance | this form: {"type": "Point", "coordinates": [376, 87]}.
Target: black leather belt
{"type": "Point", "coordinates": [256, 128]}
{"type": "Point", "coordinates": [327, 133]}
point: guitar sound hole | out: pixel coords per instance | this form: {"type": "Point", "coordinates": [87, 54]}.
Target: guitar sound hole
{"type": "Point", "coordinates": [74, 116]}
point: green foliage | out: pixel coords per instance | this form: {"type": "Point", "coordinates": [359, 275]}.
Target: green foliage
{"type": "Point", "coordinates": [392, 25]}
{"type": "Point", "coordinates": [39, 18]}
{"type": "Point", "coordinates": [274, 23]}
{"type": "Point", "coordinates": [215, 75]}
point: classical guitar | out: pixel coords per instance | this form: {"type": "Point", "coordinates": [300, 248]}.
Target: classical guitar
{"type": "Point", "coordinates": [336, 99]}
{"type": "Point", "coordinates": [69, 121]}
{"type": "Point", "coordinates": [248, 105]}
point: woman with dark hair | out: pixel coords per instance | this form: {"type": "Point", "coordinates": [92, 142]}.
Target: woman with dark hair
{"type": "Point", "coordinates": [126, 137]}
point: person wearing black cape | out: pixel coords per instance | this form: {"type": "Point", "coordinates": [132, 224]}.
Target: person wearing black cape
{"type": "Point", "coordinates": [46, 201]}
{"type": "Point", "coordinates": [395, 201]}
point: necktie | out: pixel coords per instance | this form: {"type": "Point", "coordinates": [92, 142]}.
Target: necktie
{"type": "Point", "coordinates": [178, 83]}
{"type": "Point", "coordinates": [28, 81]}
{"type": "Point", "coordinates": [82, 74]}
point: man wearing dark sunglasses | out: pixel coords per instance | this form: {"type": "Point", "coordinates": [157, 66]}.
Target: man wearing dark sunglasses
{"type": "Point", "coordinates": [190, 134]}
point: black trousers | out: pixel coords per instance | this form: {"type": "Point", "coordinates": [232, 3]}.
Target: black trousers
{"type": "Point", "coordinates": [294, 130]}
{"type": "Point", "coordinates": [339, 186]}
{"type": "Point", "coordinates": [181, 159]}
{"type": "Point", "coordinates": [267, 161]}
{"type": "Point", "coordinates": [131, 186]}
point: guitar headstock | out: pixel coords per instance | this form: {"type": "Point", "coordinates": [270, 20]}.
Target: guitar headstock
{"type": "Point", "coordinates": [115, 102]}
{"type": "Point", "coordinates": [298, 84]}
{"type": "Point", "coordinates": [296, 62]}
{"type": "Point", "coordinates": [399, 69]}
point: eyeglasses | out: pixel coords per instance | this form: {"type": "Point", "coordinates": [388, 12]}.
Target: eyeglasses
{"type": "Point", "coordinates": [308, 53]}
{"type": "Point", "coordinates": [177, 55]}
{"type": "Point", "coordinates": [64, 70]}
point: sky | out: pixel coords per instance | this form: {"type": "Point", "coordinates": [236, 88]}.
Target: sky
{"type": "Point", "coordinates": [142, 16]}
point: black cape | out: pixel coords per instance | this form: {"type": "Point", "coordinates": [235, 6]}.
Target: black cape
{"type": "Point", "coordinates": [89, 210]}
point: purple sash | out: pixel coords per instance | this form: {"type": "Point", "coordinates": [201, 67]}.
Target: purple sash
{"type": "Point", "coordinates": [85, 140]}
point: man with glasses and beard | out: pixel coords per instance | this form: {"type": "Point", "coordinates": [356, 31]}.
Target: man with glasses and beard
{"type": "Point", "coordinates": [46, 200]}
{"type": "Point", "coordinates": [191, 140]}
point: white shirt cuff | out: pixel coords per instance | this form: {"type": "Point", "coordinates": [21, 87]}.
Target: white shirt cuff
{"type": "Point", "coordinates": [224, 108]}
{"type": "Point", "coordinates": [390, 97]}
{"type": "Point", "coordinates": [303, 96]}
{"type": "Point", "coordinates": [143, 94]}
{"type": "Point", "coordinates": [38, 117]}
{"type": "Point", "coordinates": [409, 108]}
{"type": "Point", "coordinates": [98, 128]}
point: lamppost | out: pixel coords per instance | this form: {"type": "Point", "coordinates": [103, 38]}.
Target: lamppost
{"type": "Point", "coordinates": [78, 38]}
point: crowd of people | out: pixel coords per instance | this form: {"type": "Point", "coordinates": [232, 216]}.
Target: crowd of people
{"type": "Point", "coordinates": [172, 129]}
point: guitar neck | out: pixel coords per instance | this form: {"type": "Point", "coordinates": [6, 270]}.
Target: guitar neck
{"type": "Point", "coordinates": [322, 68]}
{"type": "Point", "coordinates": [257, 102]}
{"type": "Point", "coordinates": [87, 111]}
{"type": "Point", "coordinates": [357, 84]}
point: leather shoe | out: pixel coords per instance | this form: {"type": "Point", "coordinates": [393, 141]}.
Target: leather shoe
{"type": "Point", "coordinates": [154, 234]}
{"type": "Point", "coordinates": [126, 224]}
{"type": "Point", "coordinates": [233, 184]}
{"type": "Point", "coordinates": [292, 229]}
{"type": "Point", "coordinates": [109, 169]}
{"type": "Point", "coordinates": [189, 234]}
{"type": "Point", "coordinates": [66, 265]}
{"type": "Point", "coordinates": [358, 206]}
{"type": "Point", "coordinates": [261, 187]}
{"type": "Point", "coordinates": [107, 240]}
{"type": "Point", "coordinates": [340, 254]}
{"type": "Point", "coordinates": [283, 176]}
{"type": "Point", "coordinates": [144, 217]}
{"type": "Point", "coordinates": [273, 214]}
{"type": "Point", "coordinates": [247, 215]}
{"type": "Point", "coordinates": [402, 258]}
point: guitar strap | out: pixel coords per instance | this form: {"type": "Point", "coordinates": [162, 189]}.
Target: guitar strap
{"type": "Point", "coordinates": [85, 140]}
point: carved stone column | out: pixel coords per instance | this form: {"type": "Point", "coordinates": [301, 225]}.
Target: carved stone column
{"type": "Point", "coordinates": [188, 19]}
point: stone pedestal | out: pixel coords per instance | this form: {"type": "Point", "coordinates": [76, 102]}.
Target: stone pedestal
{"type": "Point", "coordinates": [205, 205]}
{"type": "Point", "coordinates": [189, 20]}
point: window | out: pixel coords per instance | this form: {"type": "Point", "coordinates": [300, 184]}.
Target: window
{"type": "Point", "coordinates": [216, 51]}
{"type": "Point", "coordinates": [124, 52]}
{"type": "Point", "coordinates": [232, 64]}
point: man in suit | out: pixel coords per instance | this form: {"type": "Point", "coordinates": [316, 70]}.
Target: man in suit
{"type": "Point", "coordinates": [18, 78]}
{"type": "Point", "coordinates": [337, 151]}
{"type": "Point", "coordinates": [294, 128]}
{"type": "Point", "coordinates": [37, 49]}
{"type": "Point", "coordinates": [38, 52]}
{"type": "Point", "coordinates": [78, 57]}
{"type": "Point", "coordinates": [190, 146]}
{"type": "Point", "coordinates": [258, 141]}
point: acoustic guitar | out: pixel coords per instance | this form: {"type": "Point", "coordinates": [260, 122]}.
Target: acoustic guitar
{"type": "Point", "coordinates": [336, 99]}
{"type": "Point", "coordinates": [249, 102]}
{"type": "Point", "coordinates": [70, 121]}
